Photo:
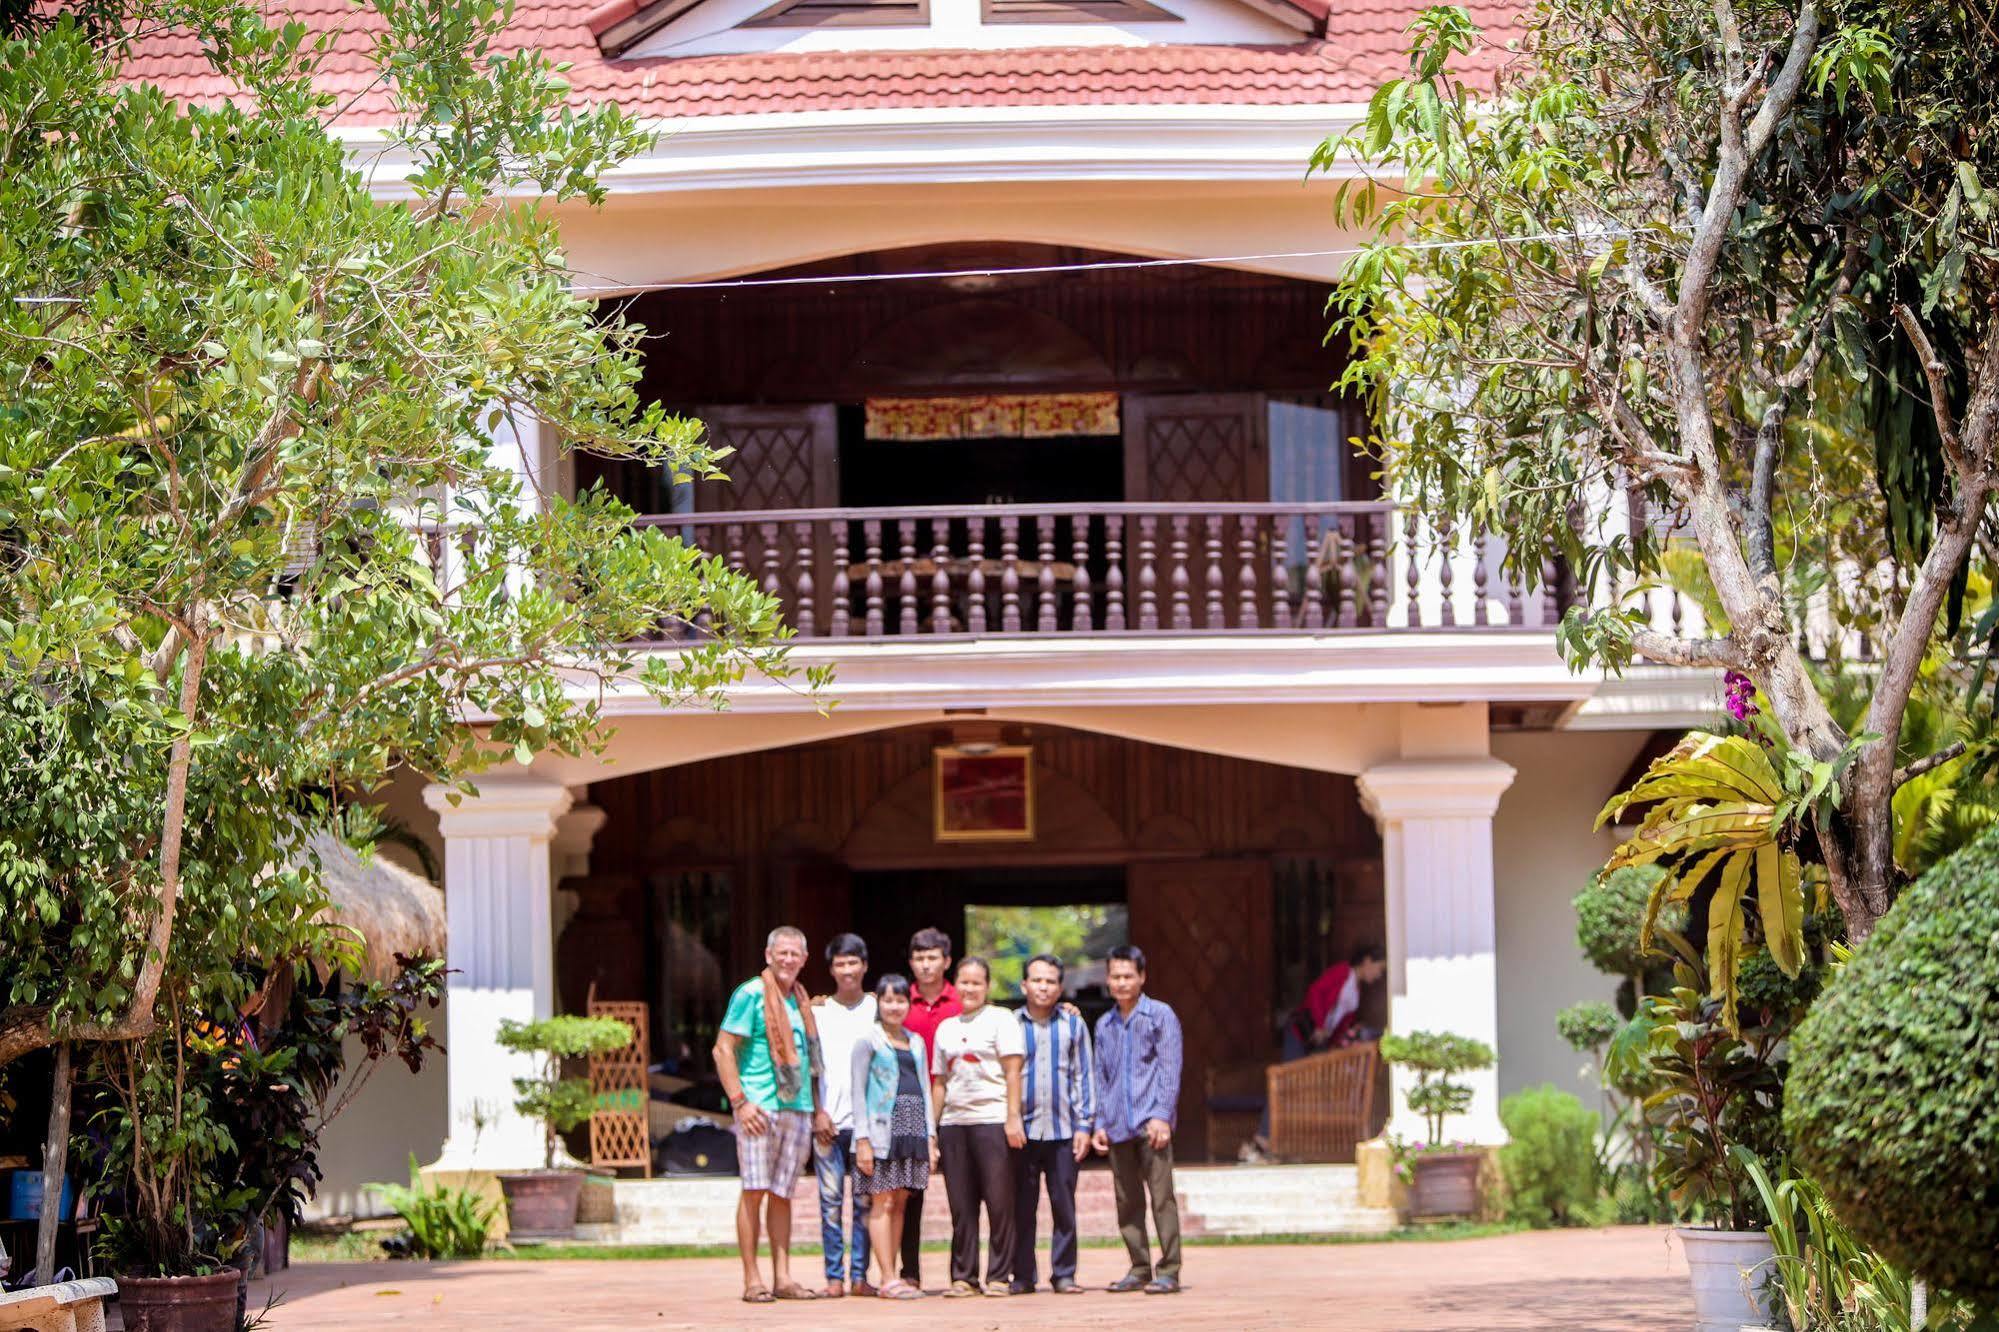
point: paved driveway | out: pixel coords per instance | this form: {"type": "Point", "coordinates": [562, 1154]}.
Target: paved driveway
{"type": "Point", "coordinates": [1626, 1278]}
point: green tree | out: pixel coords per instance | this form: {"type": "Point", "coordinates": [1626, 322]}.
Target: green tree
{"type": "Point", "coordinates": [256, 549]}
{"type": "Point", "coordinates": [1732, 261]}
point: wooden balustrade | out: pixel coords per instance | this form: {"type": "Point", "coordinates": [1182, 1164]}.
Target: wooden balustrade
{"type": "Point", "coordinates": [1120, 569]}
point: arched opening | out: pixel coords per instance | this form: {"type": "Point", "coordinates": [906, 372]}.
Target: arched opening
{"type": "Point", "coordinates": [818, 356]}
{"type": "Point", "coordinates": [1242, 880]}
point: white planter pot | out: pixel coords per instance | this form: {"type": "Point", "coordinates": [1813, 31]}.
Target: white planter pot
{"type": "Point", "coordinates": [1731, 1274]}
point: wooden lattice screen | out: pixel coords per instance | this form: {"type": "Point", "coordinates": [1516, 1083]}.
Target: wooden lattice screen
{"type": "Point", "coordinates": [1321, 1106]}
{"type": "Point", "coordinates": [620, 1121]}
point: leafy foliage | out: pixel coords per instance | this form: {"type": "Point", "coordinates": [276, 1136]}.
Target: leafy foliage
{"type": "Point", "coordinates": [1712, 275]}
{"type": "Point", "coordinates": [1610, 919]}
{"type": "Point", "coordinates": [1724, 813]}
{"type": "Point", "coordinates": [269, 523]}
{"type": "Point", "coordinates": [559, 1103]}
{"type": "Point", "coordinates": [1588, 1026]}
{"type": "Point", "coordinates": [1825, 1277]}
{"type": "Point", "coordinates": [1894, 1076]}
{"type": "Point", "coordinates": [1715, 1089]}
{"type": "Point", "coordinates": [1550, 1159]}
{"type": "Point", "coordinates": [1435, 1057]}
{"type": "Point", "coordinates": [443, 1222]}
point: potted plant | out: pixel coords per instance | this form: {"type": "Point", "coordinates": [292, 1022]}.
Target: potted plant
{"type": "Point", "coordinates": [541, 1204]}
{"type": "Point", "coordinates": [1718, 1099]}
{"type": "Point", "coordinates": [172, 1218]}
{"type": "Point", "coordinates": [1442, 1176]}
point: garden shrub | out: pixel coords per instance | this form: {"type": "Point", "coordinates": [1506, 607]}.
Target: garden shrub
{"type": "Point", "coordinates": [1549, 1162]}
{"type": "Point", "coordinates": [443, 1222]}
{"type": "Point", "coordinates": [1895, 1076]}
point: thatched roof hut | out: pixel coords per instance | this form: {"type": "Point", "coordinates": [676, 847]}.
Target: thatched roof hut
{"type": "Point", "coordinates": [392, 909]}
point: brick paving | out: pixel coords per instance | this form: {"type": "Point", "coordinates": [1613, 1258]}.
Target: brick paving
{"type": "Point", "coordinates": [1627, 1278]}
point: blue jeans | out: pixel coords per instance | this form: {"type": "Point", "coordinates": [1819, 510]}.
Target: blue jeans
{"type": "Point", "coordinates": [835, 1167]}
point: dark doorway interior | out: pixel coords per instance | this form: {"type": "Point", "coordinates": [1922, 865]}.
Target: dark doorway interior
{"type": "Point", "coordinates": [883, 473]}
{"type": "Point", "coordinates": [891, 905]}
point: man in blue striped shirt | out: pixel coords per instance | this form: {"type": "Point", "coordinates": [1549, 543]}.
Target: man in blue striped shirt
{"type": "Point", "coordinates": [1139, 1049]}
{"type": "Point", "coordinates": [1058, 1105]}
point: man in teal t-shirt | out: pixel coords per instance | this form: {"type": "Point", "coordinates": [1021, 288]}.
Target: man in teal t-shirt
{"type": "Point", "coordinates": [755, 1069]}
{"type": "Point", "coordinates": [773, 1094]}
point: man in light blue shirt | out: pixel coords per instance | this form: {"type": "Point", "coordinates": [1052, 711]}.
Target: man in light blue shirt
{"type": "Point", "coordinates": [1059, 1112]}
{"type": "Point", "coordinates": [1138, 1085]}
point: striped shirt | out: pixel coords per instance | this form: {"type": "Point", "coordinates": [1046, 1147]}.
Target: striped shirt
{"type": "Point", "coordinates": [1058, 1080]}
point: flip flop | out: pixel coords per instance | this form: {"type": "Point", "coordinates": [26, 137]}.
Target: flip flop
{"type": "Point", "coordinates": [796, 1292]}
{"type": "Point", "coordinates": [758, 1295]}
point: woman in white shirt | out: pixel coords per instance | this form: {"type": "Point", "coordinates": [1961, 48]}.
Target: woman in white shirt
{"type": "Point", "coordinates": [975, 1067]}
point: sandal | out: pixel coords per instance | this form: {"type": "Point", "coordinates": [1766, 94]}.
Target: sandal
{"type": "Point", "coordinates": [794, 1291]}
{"type": "Point", "coordinates": [898, 1290]}
{"type": "Point", "coordinates": [961, 1290]}
{"type": "Point", "coordinates": [758, 1295]}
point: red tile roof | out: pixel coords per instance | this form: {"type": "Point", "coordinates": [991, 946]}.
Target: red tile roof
{"type": "Point", "coordinates": [1364, 44]}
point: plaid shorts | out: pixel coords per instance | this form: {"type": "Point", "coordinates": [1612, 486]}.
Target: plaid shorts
{"type": "Point", "coordinates": [775, 1159]}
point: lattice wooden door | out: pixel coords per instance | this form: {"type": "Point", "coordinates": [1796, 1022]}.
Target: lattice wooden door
{"type": "Point", "coordinates": [785, 458]}
{"type": "Point", "coordinates": [1205, 929]}
{"type": "Point", "coordinates": [620, 1119]}
{"type": "Point", "coordinates": [1196, 447]}
{"type": "Point", "coordinates": [1203, 448]}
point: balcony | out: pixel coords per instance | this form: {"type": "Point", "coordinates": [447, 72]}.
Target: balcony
{"type": "Point", "coordinates": [1123, 569]}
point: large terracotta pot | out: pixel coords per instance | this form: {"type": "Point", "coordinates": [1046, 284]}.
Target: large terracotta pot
{"type": "Point", "coordinates": [1445, 1184]}
{"type": "Point", "coordinates": [541, 1204]}
{"type": "Point", "coordinates": [1731, 1276]}
{"type": "Point", "coordinates": [180, 1304]}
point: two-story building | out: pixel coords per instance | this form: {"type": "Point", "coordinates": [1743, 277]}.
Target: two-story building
{"type": "Point", "coordinates": [1051, 508]}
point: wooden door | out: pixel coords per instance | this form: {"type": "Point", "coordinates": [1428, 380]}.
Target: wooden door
{"type": "Point", "coordinates": [1205, 929]}
{"type": "Point", "coordinates": [785, 458]}
{"type": "Point", "coordinates": [1200, 448]}
{"type": "Point", "coordinates": [817, 897]}
{"type": "Point", "coordinates": [1195, 447]}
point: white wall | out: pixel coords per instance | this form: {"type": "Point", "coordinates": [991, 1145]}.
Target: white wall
{"type": "Point", "coordinates": [395, 1114]}
{"type": "Point", "coordinates": [1543, 853]}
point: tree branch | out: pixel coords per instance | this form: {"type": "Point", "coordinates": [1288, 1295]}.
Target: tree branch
{"type": "Point", "coordinates": [1935, 372]}
{"type": "Point", "coordinates": [1722, 653]}
{"type": "Point", "coordinates": [1903, 776]}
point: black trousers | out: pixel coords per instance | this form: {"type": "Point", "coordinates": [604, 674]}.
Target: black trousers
{"type": "Point", "coordinates": [912, 1238]}
{"type": "Point", "coordinates": [978, 1170]}
{"type": "Point", "coordinates": [1056, 1161]}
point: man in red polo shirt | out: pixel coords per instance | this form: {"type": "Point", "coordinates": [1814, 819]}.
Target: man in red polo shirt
{"type": "Point", "coordinates": [932, 998]}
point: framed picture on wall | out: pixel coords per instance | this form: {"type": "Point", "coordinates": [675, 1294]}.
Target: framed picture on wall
{"type": "Point", "coordinates": [984, 796]}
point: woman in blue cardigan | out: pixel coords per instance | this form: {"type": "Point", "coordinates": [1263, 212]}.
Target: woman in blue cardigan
{"type": "Point", "coordinates": [895, 1129]}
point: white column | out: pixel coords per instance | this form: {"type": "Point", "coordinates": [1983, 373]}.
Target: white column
{"type": "Point", "coordinates": [1436, 831]}
{"type": "Point", "coordinates": [497, 902]}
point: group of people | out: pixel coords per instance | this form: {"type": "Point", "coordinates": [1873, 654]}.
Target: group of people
{"type": "Point", "coordinates": [922, 1074]}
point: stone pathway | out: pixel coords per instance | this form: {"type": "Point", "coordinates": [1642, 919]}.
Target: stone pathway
{"type": "Point", "coordinates": [1606, 1281]}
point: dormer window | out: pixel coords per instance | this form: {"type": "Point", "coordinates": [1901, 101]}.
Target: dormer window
{"type": "Point", "coordinates": [843, 14]}
{"type": "Point", "coordinates": [1073, 11]}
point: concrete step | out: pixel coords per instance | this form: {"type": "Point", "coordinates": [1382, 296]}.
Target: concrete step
{"type": "Point", "coordinates": [1216, 1200]}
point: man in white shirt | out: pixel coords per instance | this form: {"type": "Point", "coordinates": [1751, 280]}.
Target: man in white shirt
{"type": "Point", "coordinates": [975, 1068]}
{"type": "Point", "coordinates": [844, 1017]}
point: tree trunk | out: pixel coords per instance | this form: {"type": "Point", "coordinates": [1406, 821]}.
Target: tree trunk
{"type": "Point", "coordinates": [55, 1160]}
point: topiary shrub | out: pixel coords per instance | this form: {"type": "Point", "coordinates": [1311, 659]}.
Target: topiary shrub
{"type": "Point", "coordinates": [1549, 1162]}
{"type": "Point", "coordinates": [1890, 1103]}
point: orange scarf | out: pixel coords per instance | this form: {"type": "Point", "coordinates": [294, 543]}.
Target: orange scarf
{"type": "Point", "coordinates": [791, 1078]}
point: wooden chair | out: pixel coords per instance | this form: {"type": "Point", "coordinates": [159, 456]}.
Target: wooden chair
{"type": "Point", "coordinates": [620, 1119]}
{"type": "Point", "coordinates": [1235, 1105]}
{"type": "Point", "coordinates": [1322, 1106]}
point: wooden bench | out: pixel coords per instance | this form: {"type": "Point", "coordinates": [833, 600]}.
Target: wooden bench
{"type": "Point", "coordinates": [67, 1306]}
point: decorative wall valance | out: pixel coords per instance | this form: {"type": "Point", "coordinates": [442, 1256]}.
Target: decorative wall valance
{"type": "Point", "coordinates": [995, 416]}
